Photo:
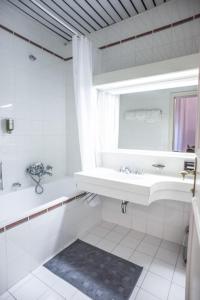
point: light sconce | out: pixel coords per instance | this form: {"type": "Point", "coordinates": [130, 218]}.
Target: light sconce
{"type": "Point", "coordinates": [9, 125]}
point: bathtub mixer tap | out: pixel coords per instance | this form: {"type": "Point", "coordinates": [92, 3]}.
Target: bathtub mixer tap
{"type": "Point", "coordinates": [36, 172]}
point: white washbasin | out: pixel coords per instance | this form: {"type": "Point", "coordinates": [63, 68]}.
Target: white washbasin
{"type": "Point", "coordinates": [143, 189]}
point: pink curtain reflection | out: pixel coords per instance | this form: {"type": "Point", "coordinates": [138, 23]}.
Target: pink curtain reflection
{"type": "Point", "coordinates": [185, 118]}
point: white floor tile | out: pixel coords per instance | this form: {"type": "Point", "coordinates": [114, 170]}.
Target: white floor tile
{"type": "Point", "coordinates": [156, 286]}
{"type": "Point", "coordinates": [6, 296]}
{"type": "Point", "coordinates": [50, 295]}
{"type": "Point", "coordinates": [123, 251]}
{"type": "Point", "coordinates": [143, 295]}
{"type": "Point", "coordinates": [162, 268]}
{"type": "Point", "coordinates": [64, 289]}
{"type": "Point", "coordinates": [141, 278]}
{"type": "Point", "coordinates": [107, 225]}
{"type": "Point", "coordinates": [31, 289]}
{"type": "Point", "coordinates": [21, 283]}
{"type": "Point", "coordinates": [136, 234]}
{"type": "Point", "coordinates": [167, 255]}
{"type": "Point", "coordinates": [170, 246]}
{"type": "Point", "coordinates": [147, 249]}
{"type": "Point", "coordinates": [176, 292]}
{"type": "Point", "coordinates": [121, 229]}
{"type": "Point", "coordinates": [106, 245]}
{"type": "Point", "coordinates": [100, 231]}
{"type": "Point", "coordinates": [150, 239]}
{"type": "Point", "coordinates": [130, 242]}
{"type": "Point", "coordinates": [91, 239]}
{"type": "Point", "coordinates": [179, 277]}
{"type": "Point", "coordinates": [134, 293]}
{"type": "Point", "coordinates": [80, 296]}
{"type": "Point", "coordinates": [115, 237]}
{"type": "Point", "coordinates": [141, 259]}
{"type": "Point", "coordinates": [46, 276]}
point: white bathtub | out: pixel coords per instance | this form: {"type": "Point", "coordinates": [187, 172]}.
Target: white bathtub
{"type": "Point", "coordinates": [21, 203]}
{"type": "Point", "coordinates": [36, 227]}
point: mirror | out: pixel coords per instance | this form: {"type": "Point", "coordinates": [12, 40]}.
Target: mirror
{"type": "Point", "coordinates": [162, 120]}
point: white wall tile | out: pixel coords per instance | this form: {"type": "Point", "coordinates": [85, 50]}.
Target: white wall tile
{"type": "Point", "coordinates": [36, 91]}
{"type": "Point", "coordinates": [163, 219]}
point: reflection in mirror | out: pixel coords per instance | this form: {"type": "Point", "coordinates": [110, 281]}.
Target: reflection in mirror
{"type": "Point", "coordinates": [185, 122]}
{"type": "Point", "coordinates": [162, 120]}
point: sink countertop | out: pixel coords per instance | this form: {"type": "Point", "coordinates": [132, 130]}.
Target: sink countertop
{"type": "Point", "coordinates": [151, 185]}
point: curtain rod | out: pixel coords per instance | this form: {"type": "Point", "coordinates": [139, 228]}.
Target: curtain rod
{"type": "Point", "coordinates": [55, 18]}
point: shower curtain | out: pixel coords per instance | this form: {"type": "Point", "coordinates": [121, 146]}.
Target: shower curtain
{"type": "Point", "coordinates": [97, 111]}
{"type": "Point", "coordinates": [85, 100]}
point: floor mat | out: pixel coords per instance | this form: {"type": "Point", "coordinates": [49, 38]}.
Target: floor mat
{"type": "Point", "coordinates": [95, 272]}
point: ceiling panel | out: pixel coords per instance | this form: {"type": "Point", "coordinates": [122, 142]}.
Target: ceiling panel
{"type": "Point", "coordinates": [84, 16]}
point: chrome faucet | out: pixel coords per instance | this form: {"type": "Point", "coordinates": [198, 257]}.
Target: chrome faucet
{"type": "Point", "coordinates": [125, 170]}
{"type": "Point", "coordinates": [36, 172]}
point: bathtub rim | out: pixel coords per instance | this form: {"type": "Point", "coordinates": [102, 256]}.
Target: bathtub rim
{"type": "Point", "coordinates": [10, 223]}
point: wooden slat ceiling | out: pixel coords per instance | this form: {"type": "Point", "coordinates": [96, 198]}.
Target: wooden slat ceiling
{"type": "Point", "coordinates": [85, 16]}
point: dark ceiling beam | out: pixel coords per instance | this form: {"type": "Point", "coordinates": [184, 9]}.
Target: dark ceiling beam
{"type": "Point", "coordinates": [144, 5]}
{"type": "Point", "coordinates": [115, 10]}
{"type": "Point", "coordinates": [82, 18]}
{"type": "Point", "coordinates": [85, 11]}
{"type": "Point", "coordinates": [136, 10]}
{"type": "Point", "coordinates": [105, 10]}
{"type": "Point", "coordinates": [31, 9]}
{"type": "Point", "coordinates": [124, 8]}
{"type": "Point", "coordinates": [57, 33]}
{"type": "Point", "coordinates": [154, 3]}
{"type": "Point", "coordinates": [98, 14]}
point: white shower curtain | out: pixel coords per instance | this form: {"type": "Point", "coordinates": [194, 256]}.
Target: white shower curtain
{"type": "Point", "coordinates": [85, 100]}
{"type": "Point", "coordinates": [97, 111]}
{"type": "Point", "coordinates": [108, 121]}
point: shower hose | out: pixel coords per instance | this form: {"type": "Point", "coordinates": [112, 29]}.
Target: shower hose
{"type": "Point", "coordinates": [38, 188]}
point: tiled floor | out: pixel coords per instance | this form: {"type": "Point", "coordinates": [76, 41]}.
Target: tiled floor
{"type": "Point", "coordinates": [163, 277]}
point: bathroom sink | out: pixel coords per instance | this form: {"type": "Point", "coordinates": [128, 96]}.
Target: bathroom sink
{"type": "Point", "coordinates": [142, 189]}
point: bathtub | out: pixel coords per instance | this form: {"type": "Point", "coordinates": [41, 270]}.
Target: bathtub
{"type": "Point", "coordinates": [24, 202]}
{"type": "Point", "coordinates": [36, 227]}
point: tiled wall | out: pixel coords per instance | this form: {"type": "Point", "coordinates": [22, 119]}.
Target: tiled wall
{"type": "Point", "coordinates": [174, 42]}
{"type": "Point", "coordinates": [34, 92]}
{"type": "Point", "coordinates": [28, 245]}
{"type": "Point", "coordinates": [164, 219]}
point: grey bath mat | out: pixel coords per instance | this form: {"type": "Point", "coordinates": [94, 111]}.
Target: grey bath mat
{"type": "Point", "coordinates": [97, 273]}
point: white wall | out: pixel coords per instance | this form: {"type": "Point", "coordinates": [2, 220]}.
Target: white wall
{"type": "Point", "coordinates": [174, 42]}
{"type": "Point", "coordinates": [164, 219]}
{"type": "Point", "coordinates": [36, 91]}
{"type": "Point", "coordinates": [16, 20]}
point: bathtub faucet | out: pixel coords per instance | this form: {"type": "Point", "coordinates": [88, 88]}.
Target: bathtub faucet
{"type": "Point", "coordinates": [36, 172]}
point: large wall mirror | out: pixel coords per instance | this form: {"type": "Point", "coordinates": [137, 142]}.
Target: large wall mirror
{"type": "Point", "coordinates": [163, 120]}
{"type": "Point", "coordinates": [150, 113]}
